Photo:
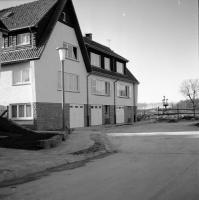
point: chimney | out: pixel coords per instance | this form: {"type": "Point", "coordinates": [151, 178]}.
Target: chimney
{"type": "Point", "coordinates": [89, 36]}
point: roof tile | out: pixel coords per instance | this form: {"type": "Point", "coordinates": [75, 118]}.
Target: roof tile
{"type": "Point", "coordinates": [102, 48]}
{"type": "Point", "coordinates": [26, 15]}
{"type": "Point", "coordinates": [21, 55]}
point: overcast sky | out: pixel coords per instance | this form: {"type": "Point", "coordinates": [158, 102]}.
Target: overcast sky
{"type": "Point", "coordinates": [158, 37]}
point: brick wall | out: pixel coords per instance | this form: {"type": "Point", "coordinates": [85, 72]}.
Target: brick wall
{"type": "Point", "coordinates": [48, 116]}
{"type": "Point", "coordinates": [134, 113]}
{"type": "Point", "coordinates": [128, 114]}
{"type": "Point", "coordinates": [112, 114]}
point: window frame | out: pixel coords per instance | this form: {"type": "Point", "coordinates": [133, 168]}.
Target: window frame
{"type": "Point", "coordinates": [23, 44]}
{"type": "Point", "coordinates": [109, 66]}
{"type": "Point", "coordinates": [71, 55]}
{"type": "Point", "coordinates": [127, 90]}
{"type": "Point", "coordinates": [21, 82]}
{"type": "Point", "coordinates": [93, 63]}
{"type": "Point", "coordinates": [117, 67]}
{"type": "Point", "coordinates": [107, 87]}
{"type": "Point", "coordinates": [25, 116]}
{"type": "Point", "coordinates": [65, 79]}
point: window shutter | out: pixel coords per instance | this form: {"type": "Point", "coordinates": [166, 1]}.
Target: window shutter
{"type": "Point", "coordinates": [130, 91]}
{"type": "Point", "coordinates": [93, 86]}
{"type": "Point", "coordinates": [108, 88]}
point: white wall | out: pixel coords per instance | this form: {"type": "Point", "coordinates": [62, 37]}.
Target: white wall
{"type": "Point", "coordinates": [125, 101]}
{"type": "Point", "coordinates": [10, 94]}
{"type": "Point", "coordinates": [100, 99]}
{"type": "Point", "coordinates": [46, 69]}
{"type": "Point", "coordinates": [109, 100]}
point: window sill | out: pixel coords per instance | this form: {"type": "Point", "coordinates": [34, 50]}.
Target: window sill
{"type": "Point", "coordinates": [104, 95]}
{"type": "Point", "coordinates": [123, 97]}
{"type": "Point", "coordinates": [69, 91]}
{"type": "Point", "coordinates": [22, 119]}
{"type": "Point", "coordinates": [21, 84]}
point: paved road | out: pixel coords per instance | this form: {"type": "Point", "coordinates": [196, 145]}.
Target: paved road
{"type": "Point", "coordinates": [148, 167]}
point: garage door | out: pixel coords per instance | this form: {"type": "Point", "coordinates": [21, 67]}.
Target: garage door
{"type": "Point", "coordinates": [96, 115]}
{"type": "Point", "coordinates": [119, 114]}
{"type": "Point", "coordinates": [76, 116]}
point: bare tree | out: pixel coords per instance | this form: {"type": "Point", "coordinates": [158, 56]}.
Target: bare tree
{"type": "Point", "coordinates": [190, 88]}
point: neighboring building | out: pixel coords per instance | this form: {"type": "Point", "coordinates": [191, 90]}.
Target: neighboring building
{"type": "Point", "coordinates": [30, 83]}
{"type": "Point", "coordinates": [112, 88]}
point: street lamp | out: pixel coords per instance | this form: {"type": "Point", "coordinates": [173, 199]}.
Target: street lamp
{"type": "Point", "coordinates": [62, 56]}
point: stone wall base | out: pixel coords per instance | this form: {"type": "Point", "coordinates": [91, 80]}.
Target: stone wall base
{"type": "Point", "coordinates": [48, 116]}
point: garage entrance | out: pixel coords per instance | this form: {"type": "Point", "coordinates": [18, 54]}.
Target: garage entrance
{"type": "Point", "coordinates": [96, 115]}
{"type": "Point", "coordinates": [76, 116]}
{"type": "Point", "coordinates": [120, 114]}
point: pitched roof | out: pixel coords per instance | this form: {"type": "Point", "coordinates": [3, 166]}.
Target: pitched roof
{"type": "Point", "coordinates": [25, 15]}
{"type": "Point", "coordinates": [128, 77]}
{"type": "Point", "coordinates": [21, 55]}
{"type": "Point", "coordinates": [29, 15]}
{"type": "Point", "coordinates": [129, 74]}
{"type": "Point", "coordinates": [102, 48]}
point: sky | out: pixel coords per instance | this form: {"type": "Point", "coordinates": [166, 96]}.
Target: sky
{"type": "Point", "coordinates": [158, 37]}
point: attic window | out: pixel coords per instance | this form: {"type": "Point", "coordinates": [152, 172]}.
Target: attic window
{"type": "Point", "coordinates": [63, 16]}
{"type": "Point", "coordinates": [7, 15]}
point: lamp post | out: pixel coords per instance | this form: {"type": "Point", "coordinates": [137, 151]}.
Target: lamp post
{"type": "Point", "coordinates": [62, 56]}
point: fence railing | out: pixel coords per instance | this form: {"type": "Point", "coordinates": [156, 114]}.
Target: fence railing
{"type": "Point", "coordinates": [178, 112]}
{"type": "Point", "coordinates": [169, 113]}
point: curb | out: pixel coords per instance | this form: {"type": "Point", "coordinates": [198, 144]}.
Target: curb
{"type": "Point", "coordinates": [104, 148]}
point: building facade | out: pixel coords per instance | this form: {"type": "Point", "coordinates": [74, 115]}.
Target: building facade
{"type": "Point", "coordinates": [99, 89]}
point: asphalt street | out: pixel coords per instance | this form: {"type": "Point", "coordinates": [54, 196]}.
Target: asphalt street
{"type": "Point", "coordinates": [148, 166]}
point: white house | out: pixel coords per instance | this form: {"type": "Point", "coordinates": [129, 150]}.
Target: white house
{"type": "Point", "coordinates": [99, 89]}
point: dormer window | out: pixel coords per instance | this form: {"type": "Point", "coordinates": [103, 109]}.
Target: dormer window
{"type": "Point", "coordinates": [23, 39]}
{"type": "Point", "coordinates": [120, 67]}
{"type": "Point", "coordinates": [95, 60]}
{"type": "Point", "coordinates": [3, 42]}
{"type": "Point", "coordinates": [63, 16]}
{"type": "Point", "coordinates": [107, 63]}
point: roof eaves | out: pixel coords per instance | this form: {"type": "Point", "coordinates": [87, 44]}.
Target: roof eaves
{"type": "Point", "coordinates": [111, 76]}
{"type": "Point", "coordinates": [19, 61]}
{"type": "Point", "coordinates": [111, 53]}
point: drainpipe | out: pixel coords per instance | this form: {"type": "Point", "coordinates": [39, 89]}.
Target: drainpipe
{"type": "Point", "coordinates": [114, 83]}
{"type": "Point", "coordinates": [87, 90]}
{"type": "Point", "coordinates": [134, 103]}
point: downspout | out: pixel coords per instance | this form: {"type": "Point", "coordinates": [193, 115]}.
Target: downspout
{"type": "Point", "coordinates": [87, 90]}
{"type": "Point", "coordinates": [134, 102]}
{"type": "Point", "coordinates": [114, 103]}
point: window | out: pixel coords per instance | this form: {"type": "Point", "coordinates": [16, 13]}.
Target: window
{"type": "Point", "coordinates": [123, 90]}
{"type": "Point", "coordinates": [71, 82]}
{"type": "Point", "coordinates": [21, 76]}
{"type": "Point", "coordinates": [63, 16]}
{"type": "Point", "coordinates": [120, 67]}
{"type": "Point", "coordinates": [23, 39]}
{"type": "Point", "coordinates": [72, 52]}
{"type": "Point", "coordinates": [21, 111]}
{"type": "Point", "coordinates": [107, 63]}
{"type": "Point", "coordinates": [6, 42]}
{"type": "Point", "coordinates": [100, 87]}
{"type": "Point", "coordinates": [95, 60]}
{"type": "Point", "coordinates": [3, 43]}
